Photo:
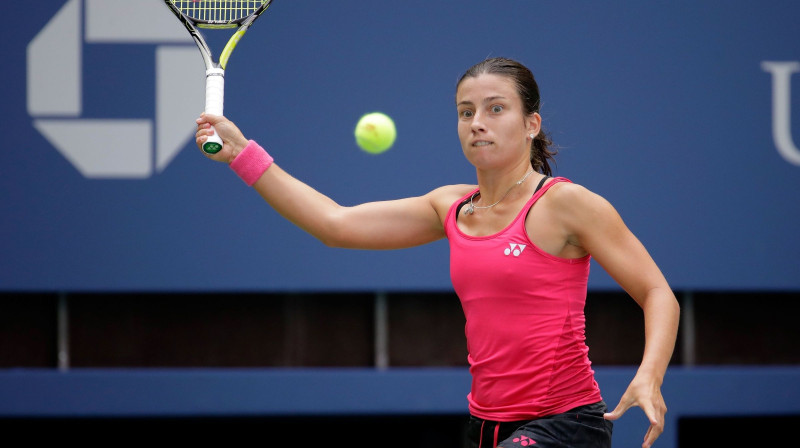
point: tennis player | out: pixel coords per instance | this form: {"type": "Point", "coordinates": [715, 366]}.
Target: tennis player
{"type": "Point", "coordinates": [521, 243]}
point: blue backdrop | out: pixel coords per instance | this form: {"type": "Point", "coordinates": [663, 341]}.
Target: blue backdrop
{"type": "Point", "coordinates": [677, 112]}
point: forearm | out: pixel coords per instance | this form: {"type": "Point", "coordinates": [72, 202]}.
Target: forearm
{"type": "Point", "coordinates": [661, 318]}
{"type": "Point", "coordinates": [298, 202]}
{"type": "Point", "coordinates": [390, 224]}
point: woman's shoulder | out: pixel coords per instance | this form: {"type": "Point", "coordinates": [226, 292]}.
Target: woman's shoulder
{"type": "Point", "coordinates": [571, 197]}
{"type": "Point", "coordinates": [452, 193]}
{"type": "Point", "coordinates": [444, 197]}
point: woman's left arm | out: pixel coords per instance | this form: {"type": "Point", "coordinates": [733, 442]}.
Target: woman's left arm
{"type": "Point", "coordinates": [593, 224]}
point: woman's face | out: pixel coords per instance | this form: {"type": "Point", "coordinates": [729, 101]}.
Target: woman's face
{"type": "Point", "coordinates": [492, 125]}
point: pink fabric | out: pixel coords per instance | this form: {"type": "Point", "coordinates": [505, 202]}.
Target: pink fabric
{"type": "Point", "coordinates": [251, 163]}
{"type": "Point", "coordinates": [525, 322]}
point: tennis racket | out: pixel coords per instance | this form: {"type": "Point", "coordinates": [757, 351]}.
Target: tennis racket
{"type": "Point", "coordinates": [216, 14]}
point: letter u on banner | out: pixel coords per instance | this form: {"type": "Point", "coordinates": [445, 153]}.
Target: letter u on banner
{"type": "Point", "coordinates": [782, 108]}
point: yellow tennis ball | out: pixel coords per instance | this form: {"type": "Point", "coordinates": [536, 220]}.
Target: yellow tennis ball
{"type": "Point", "coordinates": [375, 132]}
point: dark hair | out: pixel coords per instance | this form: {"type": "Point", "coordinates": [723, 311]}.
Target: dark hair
{"type": "Point", "coordinates": [528, 90]}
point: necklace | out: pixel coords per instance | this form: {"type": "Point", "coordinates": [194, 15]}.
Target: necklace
{"type": "Point", "coordinates": [471, 207]}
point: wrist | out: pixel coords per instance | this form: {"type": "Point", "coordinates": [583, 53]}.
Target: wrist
{"type": "Point", "coordinates": [251, 162]}
{"type": "Point", "coordinates": [650, 374]}
{"type": "Point", "coordinates": [237, 148]}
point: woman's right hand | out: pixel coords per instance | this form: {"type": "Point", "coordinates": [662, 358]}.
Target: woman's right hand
{"type": "Point", "coordinates": [233, 141]}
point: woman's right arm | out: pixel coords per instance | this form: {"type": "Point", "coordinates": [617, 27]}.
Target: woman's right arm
{"type": "Point", "coordinates": [375, 225]}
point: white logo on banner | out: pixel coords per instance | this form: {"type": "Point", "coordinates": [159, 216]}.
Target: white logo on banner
{"type": "Point", "coordinates": [114, 148]}
{"type": "Point", "coordinates": [782, 108]}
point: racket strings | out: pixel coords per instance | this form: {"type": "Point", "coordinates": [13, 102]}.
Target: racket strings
{"type": "Point", "coordinates": [218, 11]}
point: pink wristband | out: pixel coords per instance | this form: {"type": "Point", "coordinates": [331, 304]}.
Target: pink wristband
{"type": "Point", "coordinates": [251, 163]}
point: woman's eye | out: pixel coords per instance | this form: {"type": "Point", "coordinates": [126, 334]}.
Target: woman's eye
{"type": "Point", "coordinates": [496, 109]}
{"type": "Point", "coordinates": [466, 114]}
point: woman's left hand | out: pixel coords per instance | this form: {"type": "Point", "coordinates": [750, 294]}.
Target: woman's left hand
{"type": "Point", "coordinates": [645, 393]}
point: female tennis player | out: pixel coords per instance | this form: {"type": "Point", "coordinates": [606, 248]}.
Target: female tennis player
{"type": "Point", "coordinates": [520, 242]}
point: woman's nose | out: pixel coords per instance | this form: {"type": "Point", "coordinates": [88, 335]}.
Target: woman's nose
{"type": "Point", "coordinates": [477, 123]}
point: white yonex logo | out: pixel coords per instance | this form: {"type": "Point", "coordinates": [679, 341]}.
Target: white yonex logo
{"type": "Point", "coordinates": [104, 147]}
{"type": "Point", "coordinates": [515, 249]}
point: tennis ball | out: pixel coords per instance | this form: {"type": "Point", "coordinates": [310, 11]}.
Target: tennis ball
{"type": "Point", "coordinates": [375, 132]}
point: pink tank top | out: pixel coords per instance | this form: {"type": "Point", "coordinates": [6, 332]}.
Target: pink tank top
{"type": "Point", "coordinates": [525, 321]}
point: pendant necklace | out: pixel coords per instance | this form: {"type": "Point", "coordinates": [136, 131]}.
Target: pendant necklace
{"type": "Point", "coordinates": [471, 207]}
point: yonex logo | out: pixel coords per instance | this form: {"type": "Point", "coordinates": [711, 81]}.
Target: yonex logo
{"type": "Point", "coordinates": [515, 249]}
{"type": "Point", "coordinates": [524, 440]}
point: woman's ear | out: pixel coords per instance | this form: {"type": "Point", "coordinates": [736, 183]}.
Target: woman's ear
{"type": "Point", "coordinates": [534, 124]}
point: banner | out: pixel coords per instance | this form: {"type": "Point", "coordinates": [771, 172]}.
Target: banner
{"type": "Point", "coordinates": [684, 115]}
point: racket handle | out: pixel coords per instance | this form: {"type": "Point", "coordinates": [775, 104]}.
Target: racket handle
{"type": "Point", "coordinates": [215, 95]}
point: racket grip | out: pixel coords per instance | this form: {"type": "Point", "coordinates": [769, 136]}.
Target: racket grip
{"type": "Point", "coordinates": [215, 96]}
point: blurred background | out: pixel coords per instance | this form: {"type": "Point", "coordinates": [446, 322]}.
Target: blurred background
{"type": "Point", "coordinates": [145, 287]}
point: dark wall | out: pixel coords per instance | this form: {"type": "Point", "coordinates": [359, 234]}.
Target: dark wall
{"type": "Point", "coordinates": [338, 329]}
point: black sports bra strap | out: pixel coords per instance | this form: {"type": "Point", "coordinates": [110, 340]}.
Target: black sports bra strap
{"type": "Point", "coordinates": [541, 183]}
{"type": "Point", "coordinates": [460, 206]}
